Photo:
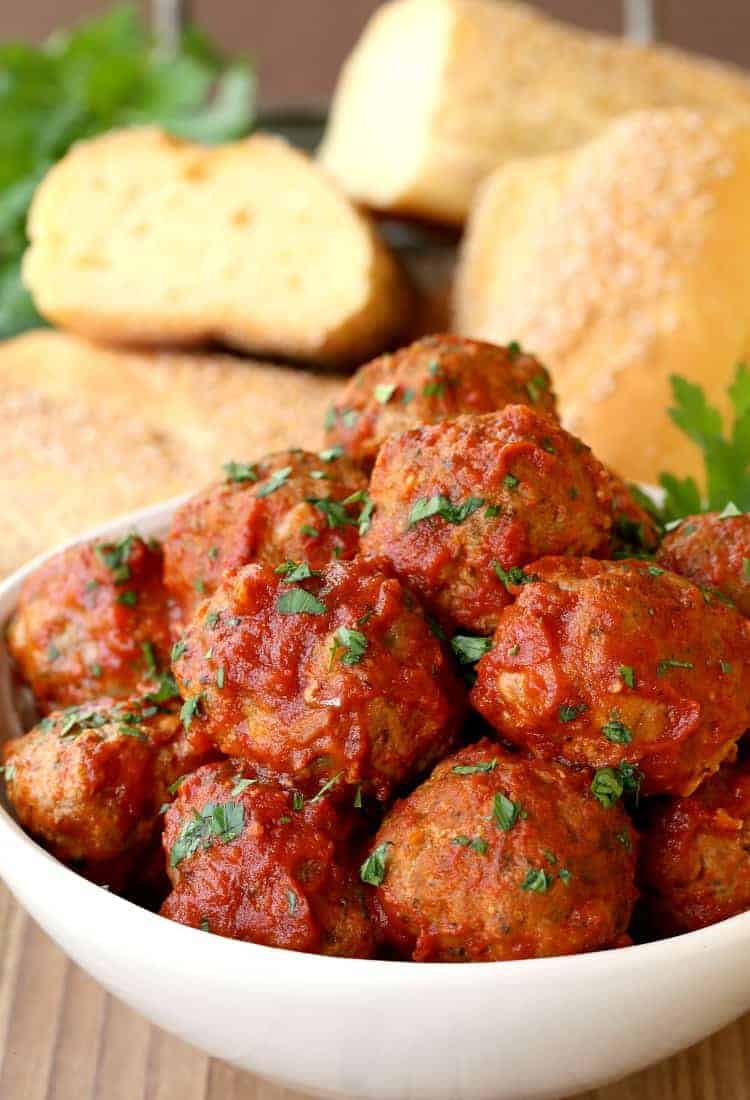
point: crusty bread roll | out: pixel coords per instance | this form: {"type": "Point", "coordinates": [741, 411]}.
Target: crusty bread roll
{"type": "Point", "coordinates": [138, 238]}
{"type": "Point", "coordinates": [620, 264]}
{"type": "Point", "coordinates": [439, 92]}
{"type": "Point", "coordinates": [90, 433]}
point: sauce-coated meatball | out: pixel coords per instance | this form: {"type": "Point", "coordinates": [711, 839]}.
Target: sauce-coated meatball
{"type": "Point", "coordinates": [327, 677]}
{"type": "Point", "coordinates": [462, 506]}
{"type": "Point", "coordinates": [714, 552]}
{"type": "Point", "coordinates": [696, 855]}
{"type": "Point", "coordinates": [92, 622]}
{"type": "Point", "coordinates": [611, 663]}
{"type": "Point", "coordinates": [88, 781]}
{"type": "Point", "coordinates": [289, 506]}
{"type": "Point", "coordinates": [435, 378]}
{"type": "Point", "coordinates": [251, 860]}
{"type": "Point", "coordinates": [500, 857]}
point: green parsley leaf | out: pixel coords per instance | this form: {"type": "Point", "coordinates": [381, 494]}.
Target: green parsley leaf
{"type": "Point", "coordinates": [297, 601]}
{"type": "Point", "coordinates": [505, 812]}
{"type": "Point", "coordinates": [476, 844]}
{"type": "Point", "coordinates": [129, 598]}
{"type": "Point", "coordinates": [607, 786]}
{"type": "Point", "coordinates": [617, 732]}
{"type": "Point", "coordinates": [217, 821]}
{"type": "Point", "coordinates": [664, 666]}
{"type": "Point", "coordinates": [149, 657]}
{"type": "Point", "coordinates": [52, 652]}
{"type": "Point", "coordinates": [726, 667]}
{"type": "Point", "coordinates": [627, 675]}
{"type": "Point", "coordinates": [469, 648]}
{"type": "Point", "coordinates": [514, 350]}
{"type": "Point", "coordinates": [334, 511]}
{"type": "Point", "coordinates": [536, 386]}
{"type": "Point", "coordinates": [357, 803]}
{"type": "Point", "coordinates": [475, 769]}
{"type": "Point", "coordinates": [294, 571]}
{"type": "Point", "coordinates": [291, 900]}
{"type": "Point", "coordinates": [190, 709]}
{"type": "Point", "coordinates": [493, 511]}
{"type": "Point", "coordinates": [536, 880]}
{"type": "Point", "coordinates": [408, 396]}
{"type": "Point", "coordinates": [513, 576]}
{"type": "Point", "coordinates": [220, 677]}
{"type": "Point", "coordinates": [9, 771]}
{"type": "Point", "coordinates": [175, 785]}
{"type": "Point", "coordinates": [624, 838]}
{"type": "Point", "coordinates": [569, 712]}
{"type": "Point", "coordinates": [298, 800]}
{"type": "Point", "coordinates": [374, 867]}
{"type": "Point", "coordinates": [510, 481]}
{"type": "Point", "coordinates": [326, 788]}
{"type": "Point", "coordinates": [353, 642]}
{"type": "Point", "coordinates": [330, 454]}
{"type": "Point", "coordinates": [240, 471]}
{"type": "Point", "coordinates": [440, 505]}
{"type": "Point", "coordinates": [115, 556]}
{"type": "Point", "coordinates": [564, 875]}
{"type": "Point", "coordinates": [241, 784]}
{"type": "Point", "coordinates": [274, 482]}
{"type": "Point", "coordinates": [177, 650]}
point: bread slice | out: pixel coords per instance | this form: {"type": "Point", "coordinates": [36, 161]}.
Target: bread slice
{"type": "Point", "coordinates": [620, 264]}
{"type": "Point", "coordinates": [437, 93]}
{"type": "Point", "coordinates": [90, 433]}
{"type": "Point", "coordinates": [139, 238]}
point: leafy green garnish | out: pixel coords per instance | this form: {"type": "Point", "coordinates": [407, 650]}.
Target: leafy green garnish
{"type": "Point", "coordinates": [384, 392]}
{"type": "Point", "coordinates": [469, 648]}
{"type": "Point", "coordinates": [352, 642]}
{"type": "Point", "coordinates": [102, 74]}
{"type": "Point", "coordinates": [726, 458]}
{"type": "Point", "coordinates": [440, 505]}
{"type": "Point", "coordinates": [297, 601]}
{"type": "Point", "coordinates": [515, 575]}
{"type": "Point", "coordinates": [568, 712]}
{"type": "Point", "coordinates": [373, 869]}
{"type": "Point", "coordinates": [275, 481]}
{"type": "Point", "coordinates": [220, 821]}
{"type": "Point", "coordinates": [475, 769]}
{"type": "Point", "coordinates": [294, 571]}
{"type": "Point", "coordinates": [617, 732]}
{"type": "Point", "coordinates": [240, 471]}
{"type": "Point", "coordinates": [505, 812]}
{"type": "Point", "coordinates": [627, 675]}
{"type": "Point", "coordinates": [536, 880]}
{"type": "Point", "coordinates": [475, 843]}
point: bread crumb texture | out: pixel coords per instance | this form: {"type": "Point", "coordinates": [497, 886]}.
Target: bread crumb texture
{"type": "Point", "coordinates": [437, 93]}
{"type": "Point", "coordinates": [620, 264]}
{"type": "Point", "coordinates": [89, 434]}
{"type": "Point", "coordinates": [138, 238]}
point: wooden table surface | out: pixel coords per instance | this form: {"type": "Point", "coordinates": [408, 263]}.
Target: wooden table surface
{"type": "Point", "coordinates": [61, 1036]}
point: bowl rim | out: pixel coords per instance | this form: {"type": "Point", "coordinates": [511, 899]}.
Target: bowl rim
{"type": "Point", "coordinates": [40, 865]}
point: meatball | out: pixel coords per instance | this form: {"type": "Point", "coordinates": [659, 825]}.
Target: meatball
{"type": "Point", "coordinates": [434, 379]}
{"type": "Point", "coordinates": [619, 664]}
{"type": "Point", "coordinates": [253, 860]}
{"type": "Point", "coordinates": [290, 506]}
{"type": "Point", "coordinates": [92, 621]}
{"type": "Point", "coordinates": [714, 552]}
{"type": "Point", "coordinates": [500, 857]}
{"type": "Point", "coordinates": [335, 678]}
{"type": "Point", "coordinates": [696, 856]}
{"type": "Point", "coordinates": [88, 781]}
{"type": "Point", "coordinates": [462, 506]}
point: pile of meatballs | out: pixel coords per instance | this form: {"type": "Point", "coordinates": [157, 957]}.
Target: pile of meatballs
{"type": "Point", "coordinates": [439, 692]}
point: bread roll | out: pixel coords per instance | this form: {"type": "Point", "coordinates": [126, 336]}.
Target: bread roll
{"type": "Point", "coordinates": [618, 265]}
{"type": "Point", "coordinates": [138, 238]}
{"type": "Point", "coordinates": [437, 93]}
{"type": "Point", "coordinates": [90, 433]}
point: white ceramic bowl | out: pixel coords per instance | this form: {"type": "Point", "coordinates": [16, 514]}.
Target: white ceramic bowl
{"type": "Point", "coordinates": [384, 1030]}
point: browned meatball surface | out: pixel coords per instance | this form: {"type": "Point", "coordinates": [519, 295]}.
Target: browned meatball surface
{"type": "Point", "coordinates": [696, 855]}
{"type": "Point", "coordinates": [619, 664]}
{"type": "Point", "coordinates": [497, 856]}
{"type": "Point", "coordinates": [714, 551]}
{"type": "Point", "coordinates": [290, 506]}
{"type": "Point", "coordinates": [89, 781]}
{"type": "Point", "coordinates": [92, 622]}
{"type": "Point", "coordinates": [253, 860]}
{"type": "Point", "coordinates": [333, 677]}
{"type": "Point", "coordinates": [461, 507]}
{"type": "Point", "coordinates": [435, 378]}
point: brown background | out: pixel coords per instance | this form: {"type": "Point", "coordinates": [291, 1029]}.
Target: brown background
{"type": "Point", "coordinates": [61, 1036]}
{"type": "Point", "coordinates": [299, 44]}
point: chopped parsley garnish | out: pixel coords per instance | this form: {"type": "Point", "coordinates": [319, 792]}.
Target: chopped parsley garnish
{"type": "Point", "coordinates": [730, 511]}
{"type": "Point", "coordinates": [166, 690]}
{"type": "Point", "coordinates": [177, 650]}
{"type": "Point", "coordinates": [726, 667]}
{"type": "Point", "coordinates": [627, 675]}
{"type": "Point", "coordinates": [77, 719]}
{"type": "Point", "coordinates": [568, 712]}
{"type": "Point", "coordinates": [241, 784]}
{"type": "Point", "coordinates": [564, 875]}
{"type": "Point", "coordinates": [328, 786]}
{"type": "Point", "coordinates": [609, 784]}
{"type": "Point", "coordinates": [374, 867]}
{"type": "Point", "coordinates": [200, 585]}
{"type": "Point", "coordinates": [353, 643]}
{"type": "Point", "coordinates": [514, 350]}
{"type": "Point", "coordinates": [536, 386]}
{"type": "Point", "coordinates": [364, 520]}
{"type": "Point", "coordinates": [475, 769]}
{"type": "Point", "coordinates": [217, 821]}
{"type": "Point", "coordinates": [298, 800]}
{"type": "Point", "coordinates": [205, 925]}
{"type": "Point", "coordinates": [514, 650]}
{"type": "Point", "coordinates": [115, 556]}
{"type": "Point", "coordinates": [469, 648]}
{"type": "Point", "coordinates": [664, 666]}
{"type": "Point", "coordinates": [240, 471]}
{"type": "Point", "coordinates": [357, 803]}
{"type": "Point", "coordinates": [536, 880]}
{"type": "Point", "coordinates": [617, 732]}
{"type": "Point", "coordinates": [407, 396]}
{"type": "Point", "coordinates": [440, 505]}
{"type": "Point", "coordinates": [294, 571]}
{"type": "Point", "coordinates": [96, 671]}
{"type": "Point", "coordinates": [476, 844]}
{"type": "Point", "coordinates": [129, 598]}
{"type": "Point", "coordinates": [149, 658]}
{"type": "Point", "coordinates": [291, 900]}
{"type": "Point", "coordinates": [625, 839]}
{"type": "Point", "coordinates": [505, 812]}
{"type": "Point", "coordinates": [220, 677]}
{"type": "Point", "coordinates": [334, 511]}
{"type": "Point", "coordinates": [515, 575]}
{"type": "Point", "coordinates": [330, 454]}
{"type": "Point", "coordinates": [52, 652]}
{"type": "Point", "coordinates": [297, 601]}
{"type": "Point", "coordinates": [213, 552]}
{"type": "Point", "coordinates": [92, 584]}
{"type": "Point", "coordinates": [510, 481]}
{"type": "Point", "coordinates": [348, 418]}
{"type": "Point", "coordinates": [493, 511]}
{"type": "Point", "coordinates": [274, 482]}
{"type": "Point", "coordinates": [9, 771]}
{"type": "Point", "coordinates": [384, 392]}
{"type": "Point", "coordinates": [190, 709]}
{"type": "Point", "coordinates": [175, 785]}
{"type": "Point", "coordinates": [310, 532]}
{"type": "Point", "coordinates": [655, 571]}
